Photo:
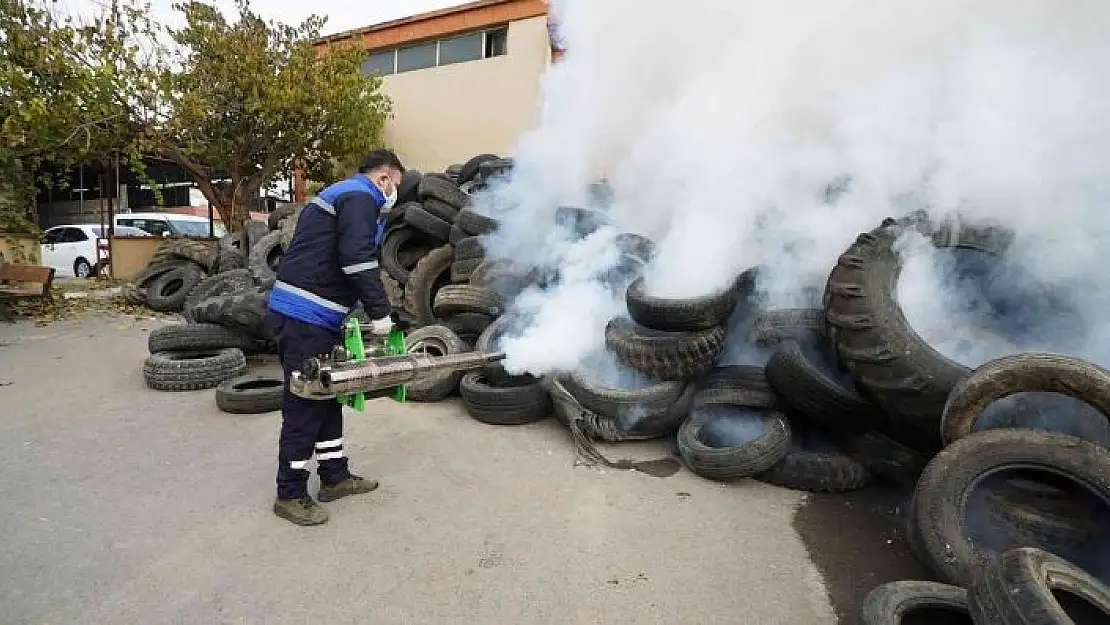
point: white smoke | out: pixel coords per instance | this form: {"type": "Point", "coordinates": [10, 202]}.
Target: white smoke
{"type": "Point", "coordinates": [722, 126]}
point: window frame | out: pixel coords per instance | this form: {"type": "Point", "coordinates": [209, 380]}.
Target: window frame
{"type": "Point", "coordinates": [481, 47]}
{"type": "Point", "coordinates": [485, 32]}
{"type": "Point", "coordinates": [435, 55]}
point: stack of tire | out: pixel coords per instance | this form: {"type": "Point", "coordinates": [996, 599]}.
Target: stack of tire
{"type": "Point", "coordinates": [224, 321]}
{"type": "Point", "coordinates": [432, 249]}
{"type": "Point", "coordinates": [177, 266]}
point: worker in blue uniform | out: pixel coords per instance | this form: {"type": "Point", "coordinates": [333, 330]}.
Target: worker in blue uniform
{"type": "Point", "coordinates": [331, 264]}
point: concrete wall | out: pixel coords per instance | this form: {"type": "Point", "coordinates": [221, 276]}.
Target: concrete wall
{"type": "Point", "coordinates": [445, 115]}
{"type": "Point", "coordinates": [130, 255]}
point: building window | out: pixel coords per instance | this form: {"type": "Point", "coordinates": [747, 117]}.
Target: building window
{"type": "Point", "coordinates": [497, 42]}
{"type": "Point", "coordinates": [473, 46]}
{"type": "Point", "coordinates": [416, 57]}
{"type": "Point", "coordinates": [380, 63]}
{"type": "Point", "coordinates": [460, 49]}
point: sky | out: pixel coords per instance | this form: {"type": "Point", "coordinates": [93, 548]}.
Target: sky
{"type": "Point", "coordinates": [342, 14]}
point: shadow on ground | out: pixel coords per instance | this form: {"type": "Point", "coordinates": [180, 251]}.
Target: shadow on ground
{"type": "Point", "coordinates": [857, 542]}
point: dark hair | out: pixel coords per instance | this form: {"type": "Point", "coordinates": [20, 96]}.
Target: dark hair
{"type": "Point", "coordinates": [381, 158]}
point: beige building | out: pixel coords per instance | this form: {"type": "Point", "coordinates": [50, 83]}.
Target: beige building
{"type": "Point", "coordinates": [464, 80]}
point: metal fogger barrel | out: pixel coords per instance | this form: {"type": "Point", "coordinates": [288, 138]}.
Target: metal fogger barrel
{"type": "Point", "coordinates": [321, 379]}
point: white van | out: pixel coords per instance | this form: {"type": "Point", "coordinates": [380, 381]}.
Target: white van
{"type": "Point", "coordinates": [165, 224]}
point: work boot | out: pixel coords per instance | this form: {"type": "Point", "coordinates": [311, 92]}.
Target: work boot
{"type": "Point", "coordinates": [353, 485]}
{"type": "Point", "coordinates": [303, 511]}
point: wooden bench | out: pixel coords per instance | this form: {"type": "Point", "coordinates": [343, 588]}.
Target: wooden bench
{"type": "Point", "coordinates": [23, 282]}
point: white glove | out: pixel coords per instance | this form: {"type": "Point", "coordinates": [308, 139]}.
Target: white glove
{"type": "Point", "coordinates": [381, 327]}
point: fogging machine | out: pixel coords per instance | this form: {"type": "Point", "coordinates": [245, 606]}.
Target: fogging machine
{"type": "Point", "coordinates": [355, 371]}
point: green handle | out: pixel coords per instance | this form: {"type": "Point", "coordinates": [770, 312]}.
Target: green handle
{"type": "Point", "coordinates": [352, 340]}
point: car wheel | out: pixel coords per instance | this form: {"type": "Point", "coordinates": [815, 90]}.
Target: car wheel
{"type": "Point", "coordinates": [82, 268]}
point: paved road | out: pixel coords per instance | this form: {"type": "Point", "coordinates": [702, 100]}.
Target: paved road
{"type": "Point", "coordinates": [124, 505]}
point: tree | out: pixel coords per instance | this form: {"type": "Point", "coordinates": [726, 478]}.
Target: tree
{"type": "Point", "coordinates": [59, 97]}
{"type": "Point", "coordinates": [243, 102]}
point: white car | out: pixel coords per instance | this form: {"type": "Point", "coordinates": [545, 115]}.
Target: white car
{"type": "Point", "coordinates": [165, 224]}
{"type": "Point", "coordinates": [75, 251]}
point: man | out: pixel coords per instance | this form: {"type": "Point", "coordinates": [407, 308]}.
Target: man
{"type": "Point", "coordinates": [330, 265]}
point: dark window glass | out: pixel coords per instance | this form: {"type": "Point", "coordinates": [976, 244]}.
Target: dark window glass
{"type": "Point", "coordinates": [416, 57]}
{"type": "Point", "coordinates": [53, 236]}
{"type": "Point", "coordinates": [460, 49]}
{"type": "Point", "coordinates": [497, 42]}
{"type": "Point", "coordinates": [380, 64]}
{"type": "Point", "coordinates": [75, 235]}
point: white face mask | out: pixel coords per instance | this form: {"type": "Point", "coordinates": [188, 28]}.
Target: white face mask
{"type": "Point", "coordinates": [390, 200]}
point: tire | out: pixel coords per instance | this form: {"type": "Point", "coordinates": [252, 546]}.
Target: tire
{"type": "Point", "coordinates": [228, 283]}
{"type": "Point", "coordinates": [470, 168]}
{"type": "Point", "coordinates": [809, 381]}
{"type": "Point", "coordinates": [885, 457]}
{"type": "Point", "coordinates": [193, 337]}
{"type": "Point", "coordinates": [664, 355]}
{"type": "Point", "coordinates": [429, 275]}
{"type": "Point", "coordinates": [457, 234]}
{"type": "Point", "coordinates": [443, 190]}
{"type": "Point", "coordinates": [250, 394]}
{"type": "Point", "coordinates": [410, 182]}
{"type": "Point", "coordinates": [400, 246]}
{"type": "Point", "coordinates": [273, 221]}
{"type": "Point", "coordinates": [817, 466]}
{"type": "Point", "coordinates": [1021, 588]}
{"type": "Point", "coordinates": [193, 371]}
{"type": "Point", "coordinates": [132, 294]}
{"type": "Point", "coordinates": [754, 456]}
{"type": "Point", "coordinates": [508, 400]}
{"type": "Point", "coordinates": [230, 260]}
{"type": "Point", "coordinates": [244, 312]}
{"type": "Point", "coordinates": [680, 315]}
{"type": "Point", "coordinates": [942, 492]}
{"type": "Point", "coordinates": [457, 299]}
{"type": "Point", "coordinates": [168, 292]}
{"type": "Point", "coordinates": [495, 167]}
{"type": "Point", "coordinates": [229, 241]}
{"type": "Point", "coordinates": [469, 326]}
{"type": "Point", "coordinates": [438, 341]}
{"type": "Point", "coordinates": [83, 269]}
{"type": "Point", "coordinates": [890, 363]}
{"type": "Point", "coordinates": [736, 385]}
{"type": "Point", "coordinates": [265, 257]}
{"type": "Point", "coordinates": [490, 339]}
{"type": "Point", "coordinates": [631, 414]}
{"type": "Point", "coordinates": [775, 326]}
{"type": "Point", "coordinates": [252, 232]}
{"type": "Point", "coordinates": [501, 278]}
{"type": "Point", "coordinates": [893, 602]}
{"type": "Point", "coordinates": [289, 227]}
{"type": "Point", "coordinates": [469, 248]}
{"type": "Point", "coordinates": [394, 292]}
{"type": "Point", "coordinates": [191, 249]}
{"type": "Point", "coordinates": [635, 245]}
{"type": "Point", "coordinates": [155, 269]}
{"type": "Point", "coordinates": [1041, 519]}
{"type": "Point", "coordinates": [442, 210]}
{"type": "Point", "coordinates": [474, 224]}
{"type": "Point", "coordinates": [582, 222]}
{"type": "Point", "coordinates": [1024, 373]}
{"type": "Point", "coordinates": [429, 224]}
{"type": "Point", "coordinates": [462, 270]}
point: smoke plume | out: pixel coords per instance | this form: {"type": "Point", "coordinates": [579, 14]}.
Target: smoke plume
{"type": "Point", "coordinates": [746, 132]}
